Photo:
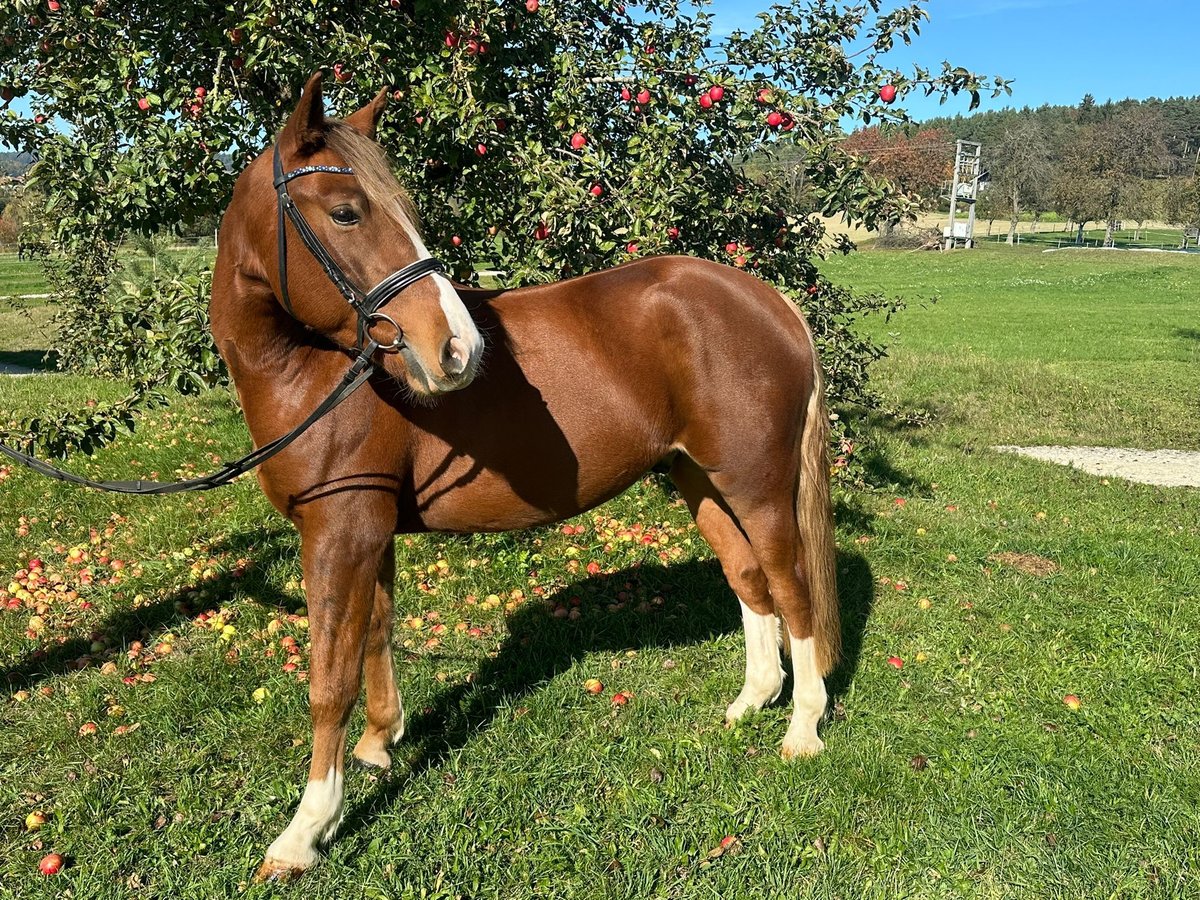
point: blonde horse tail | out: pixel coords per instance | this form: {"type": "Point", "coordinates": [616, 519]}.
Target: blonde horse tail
{"type": "Point", "coordinates": [814, 514]}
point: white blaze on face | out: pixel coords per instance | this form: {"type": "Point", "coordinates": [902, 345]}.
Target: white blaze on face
{"type": "Point", "coordinates": [764, 675]}
{"type": "Point", "coordinates": [457, 317]}
{"type": "Point", "coordinates": [315, 821]}
{"type": "Point", "coordinates": [808, 701]}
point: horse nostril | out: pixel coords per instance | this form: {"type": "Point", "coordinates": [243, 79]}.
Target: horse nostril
{"type": "Point", "coordinates": [455, 356]}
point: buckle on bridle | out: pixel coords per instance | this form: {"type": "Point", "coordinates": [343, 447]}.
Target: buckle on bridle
{"type": "Point", "coordinates": [397, 342]}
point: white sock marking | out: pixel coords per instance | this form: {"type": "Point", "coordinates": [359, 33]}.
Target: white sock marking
{"type": "Point", "coordinates": [764, 675]}
{"type": "Point", "coordinates": [315, 822]}
{"type": "Point", "coordinates": [808, 701]}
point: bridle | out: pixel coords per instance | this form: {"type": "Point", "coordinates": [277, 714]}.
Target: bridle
{"type": "Point", "coordinates": [366, 305]}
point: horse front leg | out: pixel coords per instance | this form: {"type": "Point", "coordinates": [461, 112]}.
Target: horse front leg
{"type": "Point", "coordinates": [341, 568]}
{"type": "Point", "coordinates": [385, 713]}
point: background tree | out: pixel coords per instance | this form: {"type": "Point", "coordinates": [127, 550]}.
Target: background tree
{"type": "Point", "coordinates": [1020, 169]}
{"type": "Point", "coordinates": [990, 205]}
{"type": "Point", "coordinates": [540, 140]}
{"type": "Point", "coordinates": [1181, 205]}
{"type": "Point", "coordinates": [920, 163]}
{"type": "Point", "coordinates": [1141, 200]}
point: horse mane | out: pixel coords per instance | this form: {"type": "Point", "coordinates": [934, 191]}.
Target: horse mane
{"type": "Point", "coordinates": [374, 173]}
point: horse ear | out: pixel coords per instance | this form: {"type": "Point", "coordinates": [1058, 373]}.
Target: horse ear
{"type": "Point", "coordinates": [305, 129]}
{"type": "Point", "coordinates": [366, 119]}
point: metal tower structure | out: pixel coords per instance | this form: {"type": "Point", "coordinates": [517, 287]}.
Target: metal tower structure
{"type": "Point", "coordinates": [968, 157]}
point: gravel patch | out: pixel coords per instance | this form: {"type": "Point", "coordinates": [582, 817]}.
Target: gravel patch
{"type": "Point", "coordinates": [1169, 468]}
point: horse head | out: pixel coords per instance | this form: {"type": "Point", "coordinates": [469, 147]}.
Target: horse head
{"type": "Point", "coordinates": [362, 241]}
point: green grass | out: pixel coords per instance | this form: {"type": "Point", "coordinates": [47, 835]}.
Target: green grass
{"type": "Point", "coordinates": [20, 277]}
{"type": "Point", "coordinates": [515, 782]}
{"type": "Point", "coordinates": [1056, 236]}
{"type": "Point", "coordinates": [1030, 347]}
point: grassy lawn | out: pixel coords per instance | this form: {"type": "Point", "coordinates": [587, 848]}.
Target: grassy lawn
{"type": "Point", "coordinates": [1003, 584]}
{"type": "Point", "coordinates": [20, 277]}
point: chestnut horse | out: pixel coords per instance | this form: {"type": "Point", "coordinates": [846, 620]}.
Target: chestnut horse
{"type": "Point", "coordinates": [506, 409]}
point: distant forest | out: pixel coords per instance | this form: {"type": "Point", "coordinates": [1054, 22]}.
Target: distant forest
{"type": "Point", "coordinates": [14, 163]}
{"type": "Point", "coordinates": [1179, 117]}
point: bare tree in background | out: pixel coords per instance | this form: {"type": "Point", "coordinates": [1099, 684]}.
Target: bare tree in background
{"type": "Point", "coordinates": [1141, 200]}
{"type": "Point", "coordinates": [1020, 169]}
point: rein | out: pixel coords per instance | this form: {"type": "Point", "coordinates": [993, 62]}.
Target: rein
{"type": "Point", "coordinates": [366, 305]}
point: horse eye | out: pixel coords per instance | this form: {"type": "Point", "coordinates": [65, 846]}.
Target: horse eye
{"type": "Point", "coordinates": [344, 215]}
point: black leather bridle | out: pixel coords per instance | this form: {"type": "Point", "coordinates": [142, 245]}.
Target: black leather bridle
{"type": "Point", "coordinates": [366, 305]}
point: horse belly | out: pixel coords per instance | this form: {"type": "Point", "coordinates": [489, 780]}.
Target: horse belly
{"type": "Point", "coordinates": [536, 478]}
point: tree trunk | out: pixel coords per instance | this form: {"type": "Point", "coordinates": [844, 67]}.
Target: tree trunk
{"type": "Point", "coordinates": [1079, 237]}
{"type": "Point", "coordinates": [1108, 232]}
{"type": "Point", "coordinates": [1016, 214]}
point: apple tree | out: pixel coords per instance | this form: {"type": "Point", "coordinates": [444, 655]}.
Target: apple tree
{"type": "Point", "coordinates": [540, 139]}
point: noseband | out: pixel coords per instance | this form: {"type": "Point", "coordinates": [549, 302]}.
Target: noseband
{"type": "Point", "coordinates": [366, 305]}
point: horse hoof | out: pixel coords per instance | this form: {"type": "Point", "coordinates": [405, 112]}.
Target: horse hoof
{"type": "Point", "coordinates": [371, 753]}
{"type": "Point", "coordinates": [276, 871]}
{"type": "Point", "coordinates": [371, 759]}
{"type": "Point", "coordinates": [801, 747]}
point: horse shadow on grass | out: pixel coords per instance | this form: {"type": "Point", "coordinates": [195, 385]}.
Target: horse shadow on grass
{"type": "Point", "coordinates": [130, 623]}
{"type": "Point", "coordinates": [697, 605]}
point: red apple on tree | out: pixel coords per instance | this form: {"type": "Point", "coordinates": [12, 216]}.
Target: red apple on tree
{"type": "Point", "coordinates": [143, 104]}
{"type": "Point", "coordinates": [716, 92]}
{"type": "Point", "coordinates": [673, 233]}
{"type": "Point", "coordinates": [541, 232]}
{"type": "Point", "coordinates": [532, 5]}
{"type": "Point", "coordinates": [774, 118]}
{"type": "Point", "coordinates": [481, 149]}
{"type": "Point", "coordinates": [705, 100]}
{"type": "Point", "coordinates": [763, 95]}
{"type": "Point", "coordinates": [597, 190]}
{"type": "Point", "coordinates": [887, 93]}
{"type": "Point", "coordinates": [631, 248]}
{"type": "Point", "coordinates": [643, 96]}
{"type": "Point", "coordinates": [341, 73]}
{"type": "Point", "coordinates": [456, 241]}
{"type": "Point", "coordinates": [452, 39]}
{"type": "Point", "coordinates": [578, 141]}
{"type": "Point", "coordinates": [626, 95]}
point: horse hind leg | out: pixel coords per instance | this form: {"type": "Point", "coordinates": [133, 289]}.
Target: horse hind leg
{"type": "Point", "coordinates": [774, 534]}
{"type": "Point", "coordinates": [764, 675]}
{"type": "Point", "coordinates": [385, 713]}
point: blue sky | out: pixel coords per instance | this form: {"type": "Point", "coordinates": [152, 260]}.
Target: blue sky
{"type": "Point", "coordinates": [1055, 50]}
